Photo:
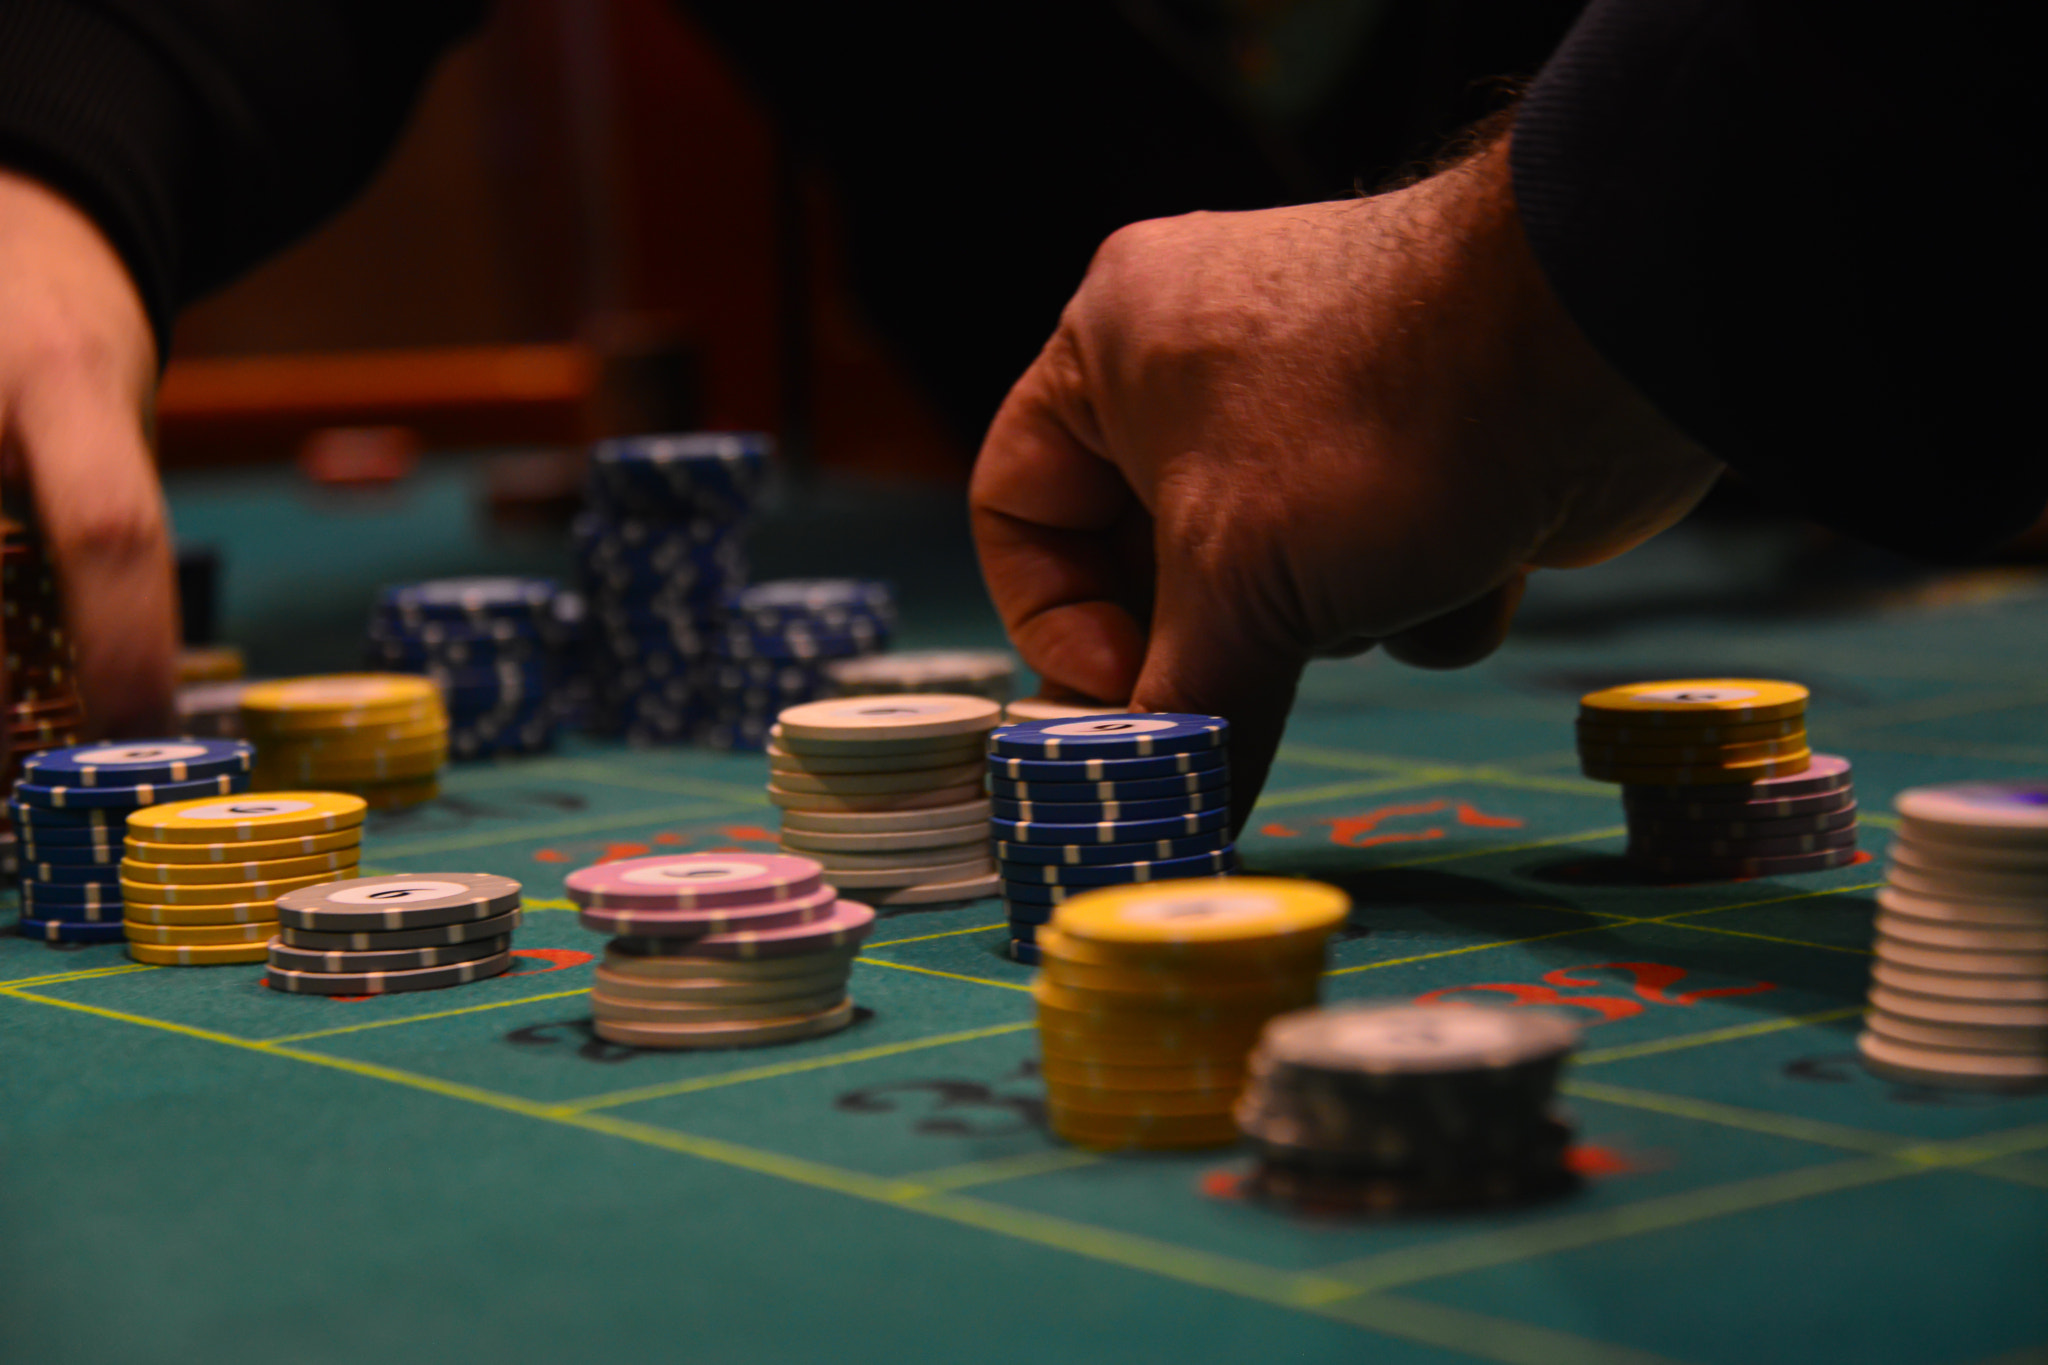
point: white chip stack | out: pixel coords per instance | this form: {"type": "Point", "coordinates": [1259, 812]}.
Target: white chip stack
{"type": "Point", "coordinates": [888, 793]}
{"type": "Point", "coordinates": [1959, 991]}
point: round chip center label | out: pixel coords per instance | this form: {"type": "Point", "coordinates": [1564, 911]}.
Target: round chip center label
{"type": "Point", "coordinates": [139, 753]}
{"type": "Point", "coordinates": [244, 810]}
{"type": "Point", "coordinates": [1216, 907]}
{"type": "Point", "coordinates": [695, 873]}
{"type": "Point", "coordinates": [1698, 696]}
{"type": "Point", "coordinates": [1423, 1034]}
{"type": "Point", "coordinates": [384, 893]}
{"type": "Point", "coordinates": [1111, 725]}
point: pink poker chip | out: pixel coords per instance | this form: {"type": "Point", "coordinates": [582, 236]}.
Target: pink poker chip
{"type": "Point", "coordinates": [694, 880]}
{"type": "Point", "coordinates": [696, 921]}
{"type": "Point", "coordinates": [846, 926]}
{"type": "Point", "coordinates": [1825, 773]}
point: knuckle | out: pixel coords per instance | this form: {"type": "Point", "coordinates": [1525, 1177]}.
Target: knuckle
{"type": "Point", "coordinates": [113, 528]}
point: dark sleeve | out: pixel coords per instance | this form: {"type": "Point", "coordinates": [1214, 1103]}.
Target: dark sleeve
{"type": "Point", "coordinates": [1810, 233]}
{"type": "Point", "coordinates": [203, 135]}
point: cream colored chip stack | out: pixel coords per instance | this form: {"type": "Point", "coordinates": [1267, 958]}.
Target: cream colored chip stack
{"type": "Point", "coordinates": [1959, 990]}
{"type": "Point", "coordinates": [887, 793]}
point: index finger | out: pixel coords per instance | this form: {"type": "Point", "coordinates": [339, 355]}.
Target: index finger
{"type": "Point", "coordinates": [1056, 525]}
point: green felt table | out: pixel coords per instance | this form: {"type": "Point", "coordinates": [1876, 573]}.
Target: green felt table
{"type": "Point", "coordinates": [195, 1168]}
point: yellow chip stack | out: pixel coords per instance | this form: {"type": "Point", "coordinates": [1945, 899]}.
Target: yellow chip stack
{"type": "Point", "coordinates": [200, 881]}
{"type": "Point", "coordinates": [1152, 996]}
{"type": "Point", "coordinates": [1694, 732]}
{"type": "Point", "coordinates": [382, 736]}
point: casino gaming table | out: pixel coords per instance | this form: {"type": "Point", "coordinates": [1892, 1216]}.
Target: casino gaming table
{"type": "Point", "coordinates": [195, 1168]}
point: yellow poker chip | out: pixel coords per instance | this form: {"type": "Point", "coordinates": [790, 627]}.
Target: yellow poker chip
{"type": "Point", "coordinates": [259, 931]}
{"type": "Point", "coordinates": [385, 795]}
{"type": "Point", "coordinates": [254, 817]}
{"type": "Point", "coordinates": [405, 768]}
{"type": "Point", "coordinates": [1205, 913]}
{"type": "Point", "coordinates": [1068, 1011]}
{"type": "Point", "coordinates": [1141, 987]}
{"type": "Point", "coordinates": [220, 893]}
{"type": "Point", "coordinates": [1756, 770]}
{"type": "Point", "coordinates": [325, 698]}
{"type": "Point", "coordinates": [1146, 1103]}
{"type": "Point", "coordinates": [255, 851]}
{"type": "Point", "coordinates": [1114, 1132]}
{"type": "Point", "coordinates": [1619, 733]}
{"type": "Point", "coordinates": [338, 863]}
{"type": "Point", "coordinates": [1669, 755]}
{"type": "Point", "coordinates": [242, 912]}
{"type": "Point", "coordinates": [1198, 1078]}
{"type": "Point", "coordinates": [1685, 701]}
{"type": "Point", "coordinates": [198, 954]}
{"type": "Point", "coordinates": [1059, 1045]}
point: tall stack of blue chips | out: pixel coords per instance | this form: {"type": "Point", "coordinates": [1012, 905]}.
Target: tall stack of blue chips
{"type": "Point", "coordinates": [490, 644]}
{"type": "Point", "coordinates": [1079, 802]}
{"type": "Point", "coordinates": [774, 646]}
{"type": "Point", "coordinates": [659, 546]}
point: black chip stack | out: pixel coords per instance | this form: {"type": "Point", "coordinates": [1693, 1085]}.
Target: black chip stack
{"type": "Point", "coordinates": [658, 547]}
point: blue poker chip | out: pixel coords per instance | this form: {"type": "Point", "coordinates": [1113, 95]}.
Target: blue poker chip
{"type": "Point", "coordinates": [47, 894]}
{"type": "Point", "coordinates": [1109, 831]}
{"type": "Point", "coordinates": [842, 606]}
{"type": "Point", "coordinates": [129, 762]}
{"type": "Point", "coordinates": [129, 797]}
{"type": "Point", "coordinates": [471, 600]}
{"type": "Point", "coordinates": [710, 474]}
{"type": "Point", "coordinates": [1119, 812]}
{"type": "Point", "coordinates": [44, 822]}
{"type": "Point", "coordinates": [1075, 855]}
{"type": "Point", "coordinates": [1221, 862]}
{"type": "Point", "coordinates": [1026, 953]}
{"type": "Point", "coordinates": [1137, 735]}
{"type": "Point", "coordinates": [96, 852]}
{"type": "Point", "coordinates": [104, 911]}
{"type": "Point", "coordinates": [800, 642]}
{"type": "Point", "coordinates": [70, 931]}
{"type": "Point", "coordinates": [1036, 893]}
{"type": "Point", "coordinates": [1024, 931]}
{"type": "Point", "coordinates": [1106, 769]}
{"type": "Point", "coordinates": [1025, 913]}
{"type": "Point", "coordinates": [1137, 789]}
{"type": "Point", "coordinates": [71, 874]}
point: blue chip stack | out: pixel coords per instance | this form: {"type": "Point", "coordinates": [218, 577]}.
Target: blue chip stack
{"type": "Point", "coordinates": [71, 811]}
{"type": "Point", "coordinates": [775, 647]}
{"type": "Point", "coordinates": [1084, 802]}
{"type": "Point", "coordinates": [489, 644]}
{"type": "Point", "coordinates": [657, 550]}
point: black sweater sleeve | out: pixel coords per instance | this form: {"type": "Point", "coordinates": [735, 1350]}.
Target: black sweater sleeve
{"type": "Point", "coordinates": [203, 135]}
{"type": "Point", "coordinates": [1808, 232]}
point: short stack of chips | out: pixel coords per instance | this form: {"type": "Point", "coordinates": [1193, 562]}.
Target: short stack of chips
{"type": "Point", "coordinates": [1959, 991]}
{"type": "Point", "coordinates": [987, 673]}
{"type": "Point", "coordinates": [489, 644]}
{"type": "Point", "coordinates": [413, 931]}
{"type": "Point", "coordinates": [661, 543]}
{"type": "Point", "coordinates": [201, 879]}
{"type": "Point", "coordinates": [71, 806]}
{"type": "Point", "coordinates": [382, 736]}
{"type": "Point", "coordinates": [212, 710]}
{"type": "Point", "coordinates": [886, 792]}
{"type": "Point", "coordinates": [1080, 802]}
{"type": "Point", "coordinates": [1151, 998]}
{"type": "Point", "coordinates": [776, 643]}
{"type": "Point", "coordinates": [1395, 1108]}
{"type": "Point", "coordinates": [43, 709]}
{"type": "Point", "coordinates": [1718, 779]}
{"type": "Point", "coordinates": [716, 951]}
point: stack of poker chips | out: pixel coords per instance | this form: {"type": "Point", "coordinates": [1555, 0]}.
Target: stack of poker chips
{"type": "Point", "coordinates": [659, 546]}
{"type": "Point", "coordinates": [715, 951]}
{"type": "Point", "coordinates": [886, 792]}
{"type": "Point", "coordinates": [1150, 999]}
{"type": "Point", "coordinates": [201, 879]}
{"type": "Point", "coordinates": [1959, 991]}
{"type": "Point", "coordinates": [776, 644]}
{"type": "Point", "coordinates": [43, 710]}
{"type": "Point", "coordinates": [382, 736]}
{"type": "Point", "coordinates": [489, 644]}
{"type": "Point", "coordinates": [987, 673]}
{"type": "Point", "coordinates": [1393, 1108]}
{"type": "Point", "coordinates": [415, 931]}
{"type": "Point", "coordinates": [70, 807]}
{"type": "Point", "coordinates": [1044, 708]}
{"type": "Point", "coordinates": [1089, 801]}
{"type": "Point", "coordinates": [212, 710]}
{"type": "Point", "coordinates": [1718, 779]}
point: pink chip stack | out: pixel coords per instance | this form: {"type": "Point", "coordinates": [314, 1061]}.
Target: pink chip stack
{"type": "Point", "coordinates": [713, 950]}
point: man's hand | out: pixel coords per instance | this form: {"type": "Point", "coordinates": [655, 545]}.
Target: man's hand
{"type": "Point", "coordinates": [77, 372]}
{"type": "Point", "coordinates": [1257, 438]}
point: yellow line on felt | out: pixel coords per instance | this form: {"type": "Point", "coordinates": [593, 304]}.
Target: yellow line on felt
{"type": "Point", "coordinates": [972, 1173]}
{"type": "Point", "coordinates": [422, 1018]}
{"type": "Point", "coordinates": [550, 904]}
{"type": "Point", "coordinates": [1476, 1334]}
{"type": "Point", "coordinates": [1628, 1052]}
{"type": "Point", "coordinates": [1610, 832]}
{"type": "Point", "coordinates": [950, 976]}
{"type": "Point", "coordinates": [1478, 947]}
{"type": "Point", "coordinates": [950, 933]}
{"type": "Point", "coordinates": [1767, 900]}
{"type": "Point", "coordinates": [1772, 938]}
{"type": "Point", "coordinates": [82, 974]}
{"type": "Point", "coordinates": [612, 1099]}
{"type": "Point", "coordinates": [1736, 1116]}
{"type": "Point", "coordinates": [1338, 791]}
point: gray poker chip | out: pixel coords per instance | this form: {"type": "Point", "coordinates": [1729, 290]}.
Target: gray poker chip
{"type": "Point", "coordinates": [375, 941]}
{"type": "Point", "coordinates": [385, 983]}
{"type": "Point", "coordinates": [411, 900]}
{"type": "Point", "coordinates": [341, 960]}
